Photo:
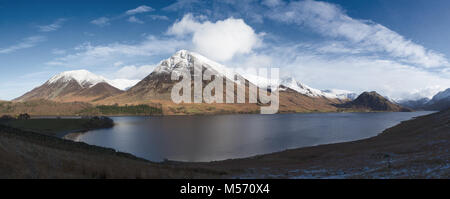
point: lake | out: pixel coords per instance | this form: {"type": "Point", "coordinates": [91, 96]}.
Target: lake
{"type": "Point", "coordinates": [209, 138]}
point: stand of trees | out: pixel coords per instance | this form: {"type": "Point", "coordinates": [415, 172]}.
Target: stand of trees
{"type": "Point", "coordinates": [123, 110]}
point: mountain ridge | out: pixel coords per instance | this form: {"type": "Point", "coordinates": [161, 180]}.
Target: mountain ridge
{"type": "Point", "coordinates": [438, 102]}
{"type": "Point", "coordinates": [372, 101]}
{"type": "Point", "coordinates": [70, 86]}
{"type": "Point", "coordinates": [155, 88]}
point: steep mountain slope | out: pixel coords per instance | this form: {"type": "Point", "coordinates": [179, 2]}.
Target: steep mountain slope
{"type": "Point", "coordinates": [440, 101]}
{"type": "Point", "coordinates": [70, 86]}
{"type": "Point", "coordinates": [372, 101]}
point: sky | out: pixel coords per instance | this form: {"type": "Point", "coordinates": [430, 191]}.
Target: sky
{"type": "Point", "coordinates": [399, 48]}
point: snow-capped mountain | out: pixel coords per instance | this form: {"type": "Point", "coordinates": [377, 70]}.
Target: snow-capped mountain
{"type": "Point", "coordinates": [83, 77]}
{"type": "Point", "coordinates": [88, 79]}
{"type": "Point", "coordinates": [157, 87]}
{"type": "Point", "coordinates": [291, 83]}
{"type": "Point", "coordinates": [158, 84]}
{"type": "Point", "coordinates": [78, 85]}
{"type": "Point", "coordinates": [440, 101]}
{"type": "Point", "coordinates": [187, 60]}
{"type": "Point", "coordinates": [441, 95]}
{"type": "Point", "coordinates": [340, 94]}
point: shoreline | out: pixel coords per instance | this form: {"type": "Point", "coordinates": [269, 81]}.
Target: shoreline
{"type": "Point", "coordinates": [73, 136]}
{"type": "Point", "coordinates": [416, 148]}
{"type": "Point", "coordinates": [214, 114]}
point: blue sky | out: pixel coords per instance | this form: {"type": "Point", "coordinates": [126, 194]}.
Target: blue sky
{"type": "Point", "coordinates": [399, 48]}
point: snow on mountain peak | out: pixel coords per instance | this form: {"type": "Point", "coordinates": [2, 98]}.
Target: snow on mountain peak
{"type": "Point", "coordinates": [341, 94]}
{"type": "Point", "coordinates": [87, 79]}
{"type": "Point", "coordinates": [83, 77]}
{"type": "Point", "coordinates": [184, 59]}
{"type": "Point", "coordinates": [442, 95]}
{"type": "Point", "coordinates": [291, 83]}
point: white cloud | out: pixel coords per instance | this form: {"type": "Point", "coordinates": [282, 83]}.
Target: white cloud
{"type": "Point", "coordinates": [102, 21]}
{"type": "Point", "coordinates": [88, 55]}
{"type": "Point", "coordinates": [52, 27]}
{"type": "Point", "coordinates": [355, 72]}
{"type": "Point", "coordinates": [219, 40]}
{"type": "Point", "coordinates": [159, 17]}
{"type": "Point", "coordinates": [140, 9]}
{"type": "Point", "coordinates": [118, 63]}
{"type": "Point", "coordinates": [134, 19]}
{"type": "Point", "coordinates": [181, 4]}
{"type": "Point", "coordinates": [329, 20]}
{"type": "Point", "coordinates": [28, 42]}
{"type": "Point", "coordinates": [134, 72]}
{"type": "Point", "coordinates": [272, 3]}
{"type": "Point", "coordinates": [58, 51]}
{"type": "Point", "coordinates": [122, 84]}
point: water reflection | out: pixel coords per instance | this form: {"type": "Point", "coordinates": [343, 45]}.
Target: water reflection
{"type": "Point", "coordinates": [208, 138]}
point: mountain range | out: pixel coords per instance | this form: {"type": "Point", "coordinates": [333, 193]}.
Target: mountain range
{"type": "Point", "coordinates": [440, 101]}
{"type": "Point", "coordinates": [79, 85]}
{"type": "Point", "coordinates": [84, 86]}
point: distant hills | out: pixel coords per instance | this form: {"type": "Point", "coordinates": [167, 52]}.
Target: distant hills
{"type": "Point", "coordinates": [84, 86]}
{"type": "Point", "coordinates": [440, 101]}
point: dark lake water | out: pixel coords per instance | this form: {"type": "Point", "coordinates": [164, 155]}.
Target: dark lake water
{"type": "Point", "coordinates": [208, 138]}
